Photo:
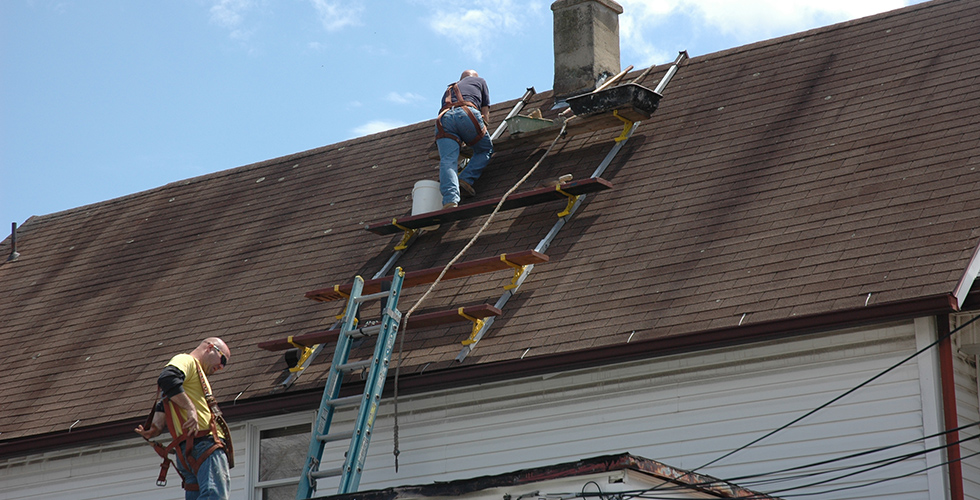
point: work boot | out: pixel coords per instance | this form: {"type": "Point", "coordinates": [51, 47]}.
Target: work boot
{"type": "Point", "coordinates": [450, 205]}
{"type": "Point", "coordinates": [466, 190]}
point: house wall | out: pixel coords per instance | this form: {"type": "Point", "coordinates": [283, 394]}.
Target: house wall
{"type": "Point", "coordinates": [684, 410]}
{"type": "Point", "coordinates": [120, 470]}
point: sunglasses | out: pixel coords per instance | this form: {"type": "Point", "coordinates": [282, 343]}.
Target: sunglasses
{"type": "Point", "coordinates": [224, 360]}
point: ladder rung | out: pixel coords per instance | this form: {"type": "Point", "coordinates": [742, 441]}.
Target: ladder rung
{"type": "Point", "coordinates": [320, 474]}
{"type": "Point", "coordinates": [335, 436]}
{"type": "Point", "coordinates": [355, 365]}
{"type": "Point", "coordinates": [367, 331]}
{"type": "Point", "coordinates": [346, 401]}
{"type": "Point", "coordinates": [373, 296]}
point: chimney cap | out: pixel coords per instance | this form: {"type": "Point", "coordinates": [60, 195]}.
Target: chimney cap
{"type": "Point", "coordinates": [564, 4]}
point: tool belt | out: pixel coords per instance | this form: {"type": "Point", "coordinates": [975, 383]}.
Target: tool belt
{"type": "Point", "coordinates": [183, 444]}
{"type": "Point", "coordinates": [448, 104]}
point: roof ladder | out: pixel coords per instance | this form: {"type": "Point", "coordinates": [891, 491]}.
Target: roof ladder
{"type": "Point", "coordinates": [360, 437]}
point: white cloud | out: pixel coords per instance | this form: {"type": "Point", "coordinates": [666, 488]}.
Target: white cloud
{"type": "Point", "coordinates": [405, 98]}
{"type": "Point", "coordinates": [745, 21]}
{"type": "Point", "coordinates": [474, 29]}
{"type": "Point", "coordinates": [335, 15]}
{"type": "Point", "coordinates": [375, 126]}
{"type": "Point", "coordinates": [229, 13]}
{"type": "Point", "coordinates": [762, 19]}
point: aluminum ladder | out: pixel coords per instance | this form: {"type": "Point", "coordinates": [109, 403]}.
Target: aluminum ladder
{"type": "Point", "coordinates": [360, 436]}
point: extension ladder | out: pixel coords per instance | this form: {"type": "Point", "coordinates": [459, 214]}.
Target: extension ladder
{"type": "Point", "coordinates": [360, 436]}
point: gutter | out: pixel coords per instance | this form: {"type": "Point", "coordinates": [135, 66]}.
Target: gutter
{"type": "Point", "coordinates": [474, 374]}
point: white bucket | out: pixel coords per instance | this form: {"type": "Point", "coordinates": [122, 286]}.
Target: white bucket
{"type": "Point", "coordinates": [426, 198]}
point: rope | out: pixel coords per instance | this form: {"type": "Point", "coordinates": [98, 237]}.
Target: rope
{"type": "Point", "coordinates": [401, 343]}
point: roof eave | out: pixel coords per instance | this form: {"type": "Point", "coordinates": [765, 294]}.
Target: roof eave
{"type": "Point", "coordinates": [535, 365]}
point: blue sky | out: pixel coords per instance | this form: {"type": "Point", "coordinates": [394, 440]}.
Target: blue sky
{"type": "Point", "coordinates": [104, 98]}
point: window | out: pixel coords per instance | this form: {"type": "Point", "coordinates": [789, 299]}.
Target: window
{"type": "Point", "coordinates": [282, 444]}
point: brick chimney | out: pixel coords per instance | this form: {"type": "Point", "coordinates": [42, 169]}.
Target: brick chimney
{"type": "Point", "coordinates": [586, 44]}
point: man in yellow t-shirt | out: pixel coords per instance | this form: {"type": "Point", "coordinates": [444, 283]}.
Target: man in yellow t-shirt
{"type": "Point", "coordinates": [183, 383]}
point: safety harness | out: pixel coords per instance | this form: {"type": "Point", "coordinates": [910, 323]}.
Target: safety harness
{"type": "Point", "coordinates": [447, 104]}
{"type": "Point", "coordinates": [183, 444]}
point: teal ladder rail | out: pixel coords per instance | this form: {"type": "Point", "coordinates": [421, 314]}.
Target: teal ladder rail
{"type": "Point", "coordinates": [360, 436]}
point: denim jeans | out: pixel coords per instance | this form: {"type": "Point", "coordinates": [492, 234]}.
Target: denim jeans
{"type": "Point", "coordinates": [457, 122]}
{"type": "Point", "coordinates": [212, 478]}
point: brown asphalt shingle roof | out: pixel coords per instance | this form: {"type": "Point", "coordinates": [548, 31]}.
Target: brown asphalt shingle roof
{"type": "Point", "coordinates": [821, 172]}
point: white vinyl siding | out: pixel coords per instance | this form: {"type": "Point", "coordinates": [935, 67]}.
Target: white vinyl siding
{"type": "Point", "coordinates": [968, 412]}
{"type": "Point", "coordinates": [682, 410]}
{"type": "Point", "coordinates": [116, 471]}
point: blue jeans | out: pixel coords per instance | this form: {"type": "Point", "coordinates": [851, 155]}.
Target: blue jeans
{"type": "Point", "coordinates": [212, 478]}
{"type": "Point", "coordinates": [458, 123]}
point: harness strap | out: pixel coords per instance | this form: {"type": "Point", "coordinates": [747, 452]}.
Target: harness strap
{"type": "Point", "coordinates": [447, 104]}
{"type": "Point", "coordinates": [217, 419]}
{"type": "Point", "coordinates": [183, 444]}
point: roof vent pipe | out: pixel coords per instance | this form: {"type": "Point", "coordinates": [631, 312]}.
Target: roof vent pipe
{"type": "Point", "coordinates": [586, 44]}
{"type": "Point", "coordinates": [13, 243]}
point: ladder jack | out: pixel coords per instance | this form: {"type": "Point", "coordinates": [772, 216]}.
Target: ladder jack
{"type": "Point", "coordinates": [360, 436]}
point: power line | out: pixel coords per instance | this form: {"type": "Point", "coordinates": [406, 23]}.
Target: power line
{"type": "Point", "coordinates": [893, 478]}
{"type": "Point", "coordinates": [870, 466]}
{"type": "Point", "coordinates": [838, 398]}
{"type": "Point", "coordinates": [746, 479]}
{"type": "Point", "coordinates": [832, 401]}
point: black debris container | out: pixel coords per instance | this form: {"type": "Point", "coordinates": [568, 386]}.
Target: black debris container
{"type": "Point", "coordinates": [631, 101]}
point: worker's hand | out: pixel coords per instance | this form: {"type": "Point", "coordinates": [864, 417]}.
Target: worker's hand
{"type": "Point", "coordinates": [152, 432]}
{"type": "Point", "coordinates": [190, 425]}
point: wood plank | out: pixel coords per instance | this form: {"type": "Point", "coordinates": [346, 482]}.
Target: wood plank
{"type": "Point", "coordinates": [471, 210]}
{"type": "Point", "coordinates": [415, 321]}
{"type": "Point", "coordinates": [424, 276]}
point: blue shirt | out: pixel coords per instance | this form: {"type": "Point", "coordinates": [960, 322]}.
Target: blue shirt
{"type": "Point", "coordinates": [474, 89]}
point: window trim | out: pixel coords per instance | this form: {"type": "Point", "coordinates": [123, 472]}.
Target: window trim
{"type": "Point", "coordinates": [254, 430]}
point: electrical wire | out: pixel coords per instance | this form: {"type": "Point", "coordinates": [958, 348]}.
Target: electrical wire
{"type": "Point", "coordinates": [884, 480]}
{"type": "Point", "coordinates": [838, 398]}
{"type": "Point", "coordinates": [752, 480]}
{"type": "Point", "coordinates": [748, 479]}
{"type": "Point", "coordinates": [868, 466]}
{"type": "Point", "coordinates": [832, 401]}
{"type": "Point", "coordinates": [875, 465]}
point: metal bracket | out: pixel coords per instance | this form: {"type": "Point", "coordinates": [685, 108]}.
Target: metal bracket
{"type": "Point", "coordinates": [403, 244]}
{"type": "Point", "coordinates": [346, 297]}
{"type": "Point", "coordinates": [572, 198]}
{"type": "Point", "coordinates": [627, 125]}
{"type": "Point", "coordinates": [477, 325]}
{"type": "Point", "coordinates": [306, 352]}
{"type": "Point", "coordinates": [518, 271]}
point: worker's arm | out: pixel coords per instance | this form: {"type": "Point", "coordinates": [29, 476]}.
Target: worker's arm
{"type": "Point", "coordinates": [183, 401]}
{"type": "Point", "coordinates": [485, 112]}
{"type": "Point", "coordinates": [156, 426]}
{"type": "Point", "coordinates": [171, 382]}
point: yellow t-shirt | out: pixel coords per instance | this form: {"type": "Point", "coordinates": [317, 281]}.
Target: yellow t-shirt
{"type": "Point", "coordinates": [194, 389]}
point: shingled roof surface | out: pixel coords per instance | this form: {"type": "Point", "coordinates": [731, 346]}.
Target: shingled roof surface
{"type": "Point", "coordinates": [828, 171]}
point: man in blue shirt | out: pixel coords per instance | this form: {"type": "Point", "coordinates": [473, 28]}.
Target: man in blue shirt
{"type": "Point", "coordinates": [462, 120]}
